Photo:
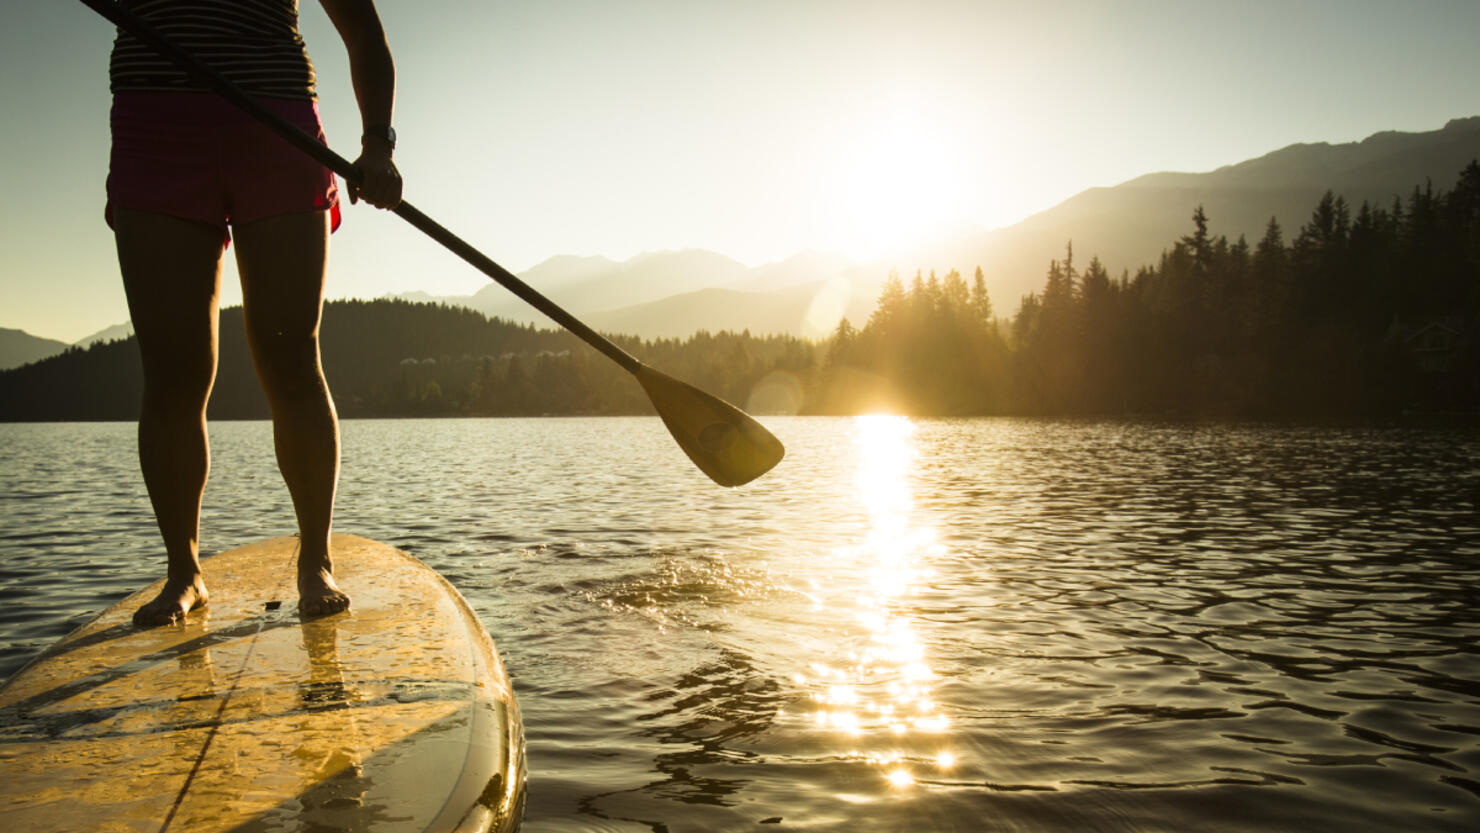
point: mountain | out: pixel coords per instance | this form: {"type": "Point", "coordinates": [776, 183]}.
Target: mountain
{"type": "Point", "coordinates": [811, 310]}
{"type": "Point", "coordinates": [113, 333]}
{"type": "Point", "coordinates": [561, 271]}
{"type": "Point", "coordinates": [1129, 225]}
{"type": "Point", "coordinates": [592, 284]}
{"type": "Point", "coordinates": [675, 294]}
{"type": "Point", "coordinates": [807, 267]}
{"type": "Point", "coordinates": [655, 296]}
{"type": "Point", "coordinates": [18, 347]}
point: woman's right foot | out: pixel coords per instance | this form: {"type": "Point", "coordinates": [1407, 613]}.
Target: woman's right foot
{"type": "Point", "coordinates": [318, 594]}
{"type": "Point", "coordinates": [173, 603]}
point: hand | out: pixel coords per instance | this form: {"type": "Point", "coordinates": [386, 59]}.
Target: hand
{"type": "Point", "coordinates": [380, 182]}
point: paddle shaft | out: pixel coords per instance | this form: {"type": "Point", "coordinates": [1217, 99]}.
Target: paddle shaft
{"type": "Point", "coordinates": [338, 164]}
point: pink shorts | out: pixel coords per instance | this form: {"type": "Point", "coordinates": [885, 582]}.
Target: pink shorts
{"type": "Point", "coordinates": [197, 156]}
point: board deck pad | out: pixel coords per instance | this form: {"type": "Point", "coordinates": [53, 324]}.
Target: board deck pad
{"type": "Point", "coordinates": [396, 715]}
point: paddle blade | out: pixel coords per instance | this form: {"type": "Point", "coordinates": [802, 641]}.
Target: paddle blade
{"type": "Point", "coordinates": [722, 440]}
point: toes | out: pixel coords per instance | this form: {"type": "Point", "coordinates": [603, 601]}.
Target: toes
{"type": "Point", "coordinates": [324, 605]}
{"type": "Point", "coordinates": [318, 595]}
{"type": "Point", "coordinates": [150, 616]}
{"type": "Point", "coordinates": [167, 608]}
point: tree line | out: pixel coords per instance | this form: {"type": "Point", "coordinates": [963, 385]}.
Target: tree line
{"type": "Point", "coordinates": [394, 358]}
{"type": "Point", "coordinates": [1361, 312]}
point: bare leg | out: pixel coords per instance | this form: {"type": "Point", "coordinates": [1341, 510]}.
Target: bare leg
{"type": "Point", "coordinates": [172, 274]}
{"type": "Point", "coordinates": [282, 261]}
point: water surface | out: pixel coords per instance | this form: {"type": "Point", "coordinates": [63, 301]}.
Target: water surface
{"type": "Point", "coordinates": [973, 625]}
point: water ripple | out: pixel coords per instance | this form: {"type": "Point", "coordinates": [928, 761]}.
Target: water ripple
{"type": "Point", "coordinates": [1050, 625]}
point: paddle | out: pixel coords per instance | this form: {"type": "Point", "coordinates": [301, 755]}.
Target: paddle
{"type": "Point", "coordinates": [722, 440]}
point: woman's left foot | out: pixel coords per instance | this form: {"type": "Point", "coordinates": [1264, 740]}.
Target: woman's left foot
{"type": "Point", "coordinates": [318, 595]}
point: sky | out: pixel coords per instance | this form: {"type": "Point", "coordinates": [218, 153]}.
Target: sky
{"type": "Point", "coordinates": [758, 129]}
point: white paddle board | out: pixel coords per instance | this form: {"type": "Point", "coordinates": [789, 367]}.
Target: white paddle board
{"type": "Point", "coordinates": [396, 715]}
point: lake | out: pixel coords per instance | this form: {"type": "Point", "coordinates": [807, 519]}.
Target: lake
{"type": "Point", "coordinates": [968, 625]}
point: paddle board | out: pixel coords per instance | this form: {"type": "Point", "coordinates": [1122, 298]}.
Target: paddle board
{"type": "Point", "coordinates": [396, 715]}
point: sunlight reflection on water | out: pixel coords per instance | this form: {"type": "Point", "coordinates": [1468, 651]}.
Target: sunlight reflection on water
{"type": "Point", "coordinates": [881, 697]}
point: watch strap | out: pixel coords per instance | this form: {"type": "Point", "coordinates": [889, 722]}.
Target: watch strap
{"type": "Point", "coordinates": [384, 132]}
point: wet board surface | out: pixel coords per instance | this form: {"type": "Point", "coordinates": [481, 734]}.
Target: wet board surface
{"type": "Point", "coordinates": [396, 715]}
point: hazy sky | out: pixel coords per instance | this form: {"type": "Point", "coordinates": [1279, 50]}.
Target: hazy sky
{"type": "Point", "coordinates": [755, 128]}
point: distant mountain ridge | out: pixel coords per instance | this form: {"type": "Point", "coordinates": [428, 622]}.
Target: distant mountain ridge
{"type": "Point", "coordinates": [113, 333]}
{"type": "Point", "coordinates": [18, 347]}
{"type": "Point", "coordinates": [638, 291]}
{"type": "Point", "coordinates": [809, 309]}
{"type": "Point", "coordinates": [1126, 226]}
{"type": "Point", "coordinates": [590, 284]}
{"type": "Point", "coordinates": [1380, 160]}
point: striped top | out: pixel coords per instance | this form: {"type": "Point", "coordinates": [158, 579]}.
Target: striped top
{"type": "Point", "coordinates": [254, 43]}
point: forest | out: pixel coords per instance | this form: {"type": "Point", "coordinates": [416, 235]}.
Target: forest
{"type": "Point", "coordinates": [1363, 312]}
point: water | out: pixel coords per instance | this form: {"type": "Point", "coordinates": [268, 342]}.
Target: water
{"type": "Point", "coordinates": [987, 625]}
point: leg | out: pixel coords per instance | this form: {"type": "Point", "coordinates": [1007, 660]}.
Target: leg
{"type": "Point", "coordinates": [172, 274]}
{"type": "Point", "coordinates": [282, 261]}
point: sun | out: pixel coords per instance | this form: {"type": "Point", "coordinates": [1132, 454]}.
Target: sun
{"type": "Point", "coordinates": [901, 182]}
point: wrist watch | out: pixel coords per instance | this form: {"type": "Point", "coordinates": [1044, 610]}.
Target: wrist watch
{"type": "Point", "coordinates": [381, 131]}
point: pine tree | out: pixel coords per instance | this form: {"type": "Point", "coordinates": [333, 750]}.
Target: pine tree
{"type": "Point", "coordinates": [981, 303]}
{"type": "Point", "coordinates": [955, 296]}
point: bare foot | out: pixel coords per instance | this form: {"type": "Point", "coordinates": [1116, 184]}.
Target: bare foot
{"type": "Point", "coordinates": [318, 595]}
{"type": "Point", "coordinates": [172, 604]}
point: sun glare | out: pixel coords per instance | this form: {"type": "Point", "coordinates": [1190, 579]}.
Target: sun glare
{"type": "Point", "coordinates": [900, 183]}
